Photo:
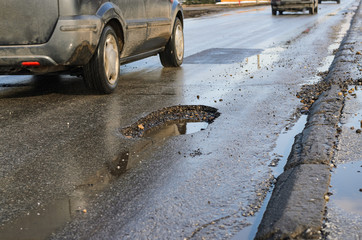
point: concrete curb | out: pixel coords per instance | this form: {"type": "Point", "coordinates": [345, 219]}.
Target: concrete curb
{"type": "Point", "coordinates": [297, 205]}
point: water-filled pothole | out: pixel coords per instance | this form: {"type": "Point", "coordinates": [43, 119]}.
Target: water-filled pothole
{"type": "Point", "coordinates": [175, 129]}
{"type": "Point", "coordinates": [172, 121]}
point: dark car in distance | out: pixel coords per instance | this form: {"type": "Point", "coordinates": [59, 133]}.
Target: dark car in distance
{"type": "Point", "coordinates": [294, 6]}
{"type": "Point", "coordinates": [91, 38]}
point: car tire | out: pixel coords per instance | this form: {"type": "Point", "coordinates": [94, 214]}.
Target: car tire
{"type": "Point", "coordinates": [274, 12]}
{"type": "Point", "coordinates": [173, 54]}
{"type": "Point", "coordinates": [102, 72]}
{"type": "Point", "coordinates": [280, 12]}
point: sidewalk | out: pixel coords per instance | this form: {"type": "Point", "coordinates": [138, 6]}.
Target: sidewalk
{"type": "Point", "coordinates": [297, 206]}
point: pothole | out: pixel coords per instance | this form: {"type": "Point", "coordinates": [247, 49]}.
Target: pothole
{"type": "Point", "coordinates": [172, 121]}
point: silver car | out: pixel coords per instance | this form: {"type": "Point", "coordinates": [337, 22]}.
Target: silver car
{"type": "Point", "coordinates": [88, 37]}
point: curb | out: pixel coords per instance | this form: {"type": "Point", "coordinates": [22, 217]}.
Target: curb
{"type": "Point", "coordinates": [297, 205]}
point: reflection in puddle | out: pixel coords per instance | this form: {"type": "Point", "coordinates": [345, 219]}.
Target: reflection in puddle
{"type": "Point", "coordinates": [175, 129]}
{"type": "Point", "coordinates": [265, 59]}
{"type": "Point", "coordinates": [221, 56]}
{"type": "Point", "coordinates": [284, 145]}
{"type": "Point", "coordinates": [347, 187]}
{"type": "Point", "coordinates": [45, 219]}
{"type": "Point", "coordinates": [280, 155]}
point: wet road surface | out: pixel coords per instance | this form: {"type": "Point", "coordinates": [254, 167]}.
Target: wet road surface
{"type": "Point", "coordinates": [68, 172]}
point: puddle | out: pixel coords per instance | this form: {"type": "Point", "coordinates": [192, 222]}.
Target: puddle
{"type": "Point", "coordinates": [264, 60]}
{"type": "Point", "coordinates": [221, 56]}
{"type": "Point", "coordinates": [346, 187]}
{"type": "Point", "coordinates": [47, 218]}
{"type": "Point", "coordinates": [284, 145]}
{"type": "Point", "coordinates": [172, 121]}
{"type": "Point", "coordinates": [44, 220]}
{"type": "Point", "coordinates": [346, 180]}
{"type": "Point", "coordinates": [175, 129]}
{"type": "Point", "coordinates": [279, 159]}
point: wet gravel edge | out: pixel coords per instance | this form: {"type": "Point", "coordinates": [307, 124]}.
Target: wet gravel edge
{"type": "Point", "coordinates": [297, 205]}
{"type": "Point", "coordinates": [190, 113]}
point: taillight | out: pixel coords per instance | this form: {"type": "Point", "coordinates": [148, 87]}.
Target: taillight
{"type": "Point", "coordinates": [30, 64]}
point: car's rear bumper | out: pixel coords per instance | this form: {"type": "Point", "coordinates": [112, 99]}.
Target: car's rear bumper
{"type": "Point", "coordinates": [72, 43]}
{"type": "Point", "coordinates": [292, 5]}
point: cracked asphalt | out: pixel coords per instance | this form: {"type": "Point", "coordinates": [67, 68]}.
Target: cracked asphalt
{"type": "Point", "coordinates": [68, 172]}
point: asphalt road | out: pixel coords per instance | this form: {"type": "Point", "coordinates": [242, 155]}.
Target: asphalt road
{"type": "Point", "coordinates": [61, 146]}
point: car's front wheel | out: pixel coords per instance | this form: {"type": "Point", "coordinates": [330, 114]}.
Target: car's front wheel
{"type": "Point", "coordinates": [102, 72]}
{"type": "Point", "coordinates": [173, 54]}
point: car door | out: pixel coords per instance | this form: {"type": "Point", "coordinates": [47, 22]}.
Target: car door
{"type": "Point", "coordinates": [27, 22]}
{"type": "Point", "coordinates": [134, 15]}
{"type": "Point", "coordinates": [159, 23]}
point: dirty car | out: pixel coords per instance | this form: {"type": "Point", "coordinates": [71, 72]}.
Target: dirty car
{"type": "Point", "coordinates": [294, 6]}
{"type": "Point", "coordinates": [91, 38]}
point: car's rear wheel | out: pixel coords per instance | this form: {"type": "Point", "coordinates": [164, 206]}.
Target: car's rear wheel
{"type": "Point", "coordinates": [274, 12]}
{"type": "Point", "coordinates": [173, 54]}
{"type": "Point", "coordinates": [102, 72]}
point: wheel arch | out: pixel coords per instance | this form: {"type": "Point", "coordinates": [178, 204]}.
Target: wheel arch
{"type": "Point", "coordinates": [180, 16]}
{"type": "Point", "coordinates": [112, 15]}
{"type": "Point", "coordinates": [177, 12]}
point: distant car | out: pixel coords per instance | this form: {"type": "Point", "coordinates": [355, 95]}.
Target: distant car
{"type": "Point", "coordinates": [338, 1]}
{"type": "Point", "coordinates": [294, 6]}
{"type": "Point", "coordinates": [88, 38]}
